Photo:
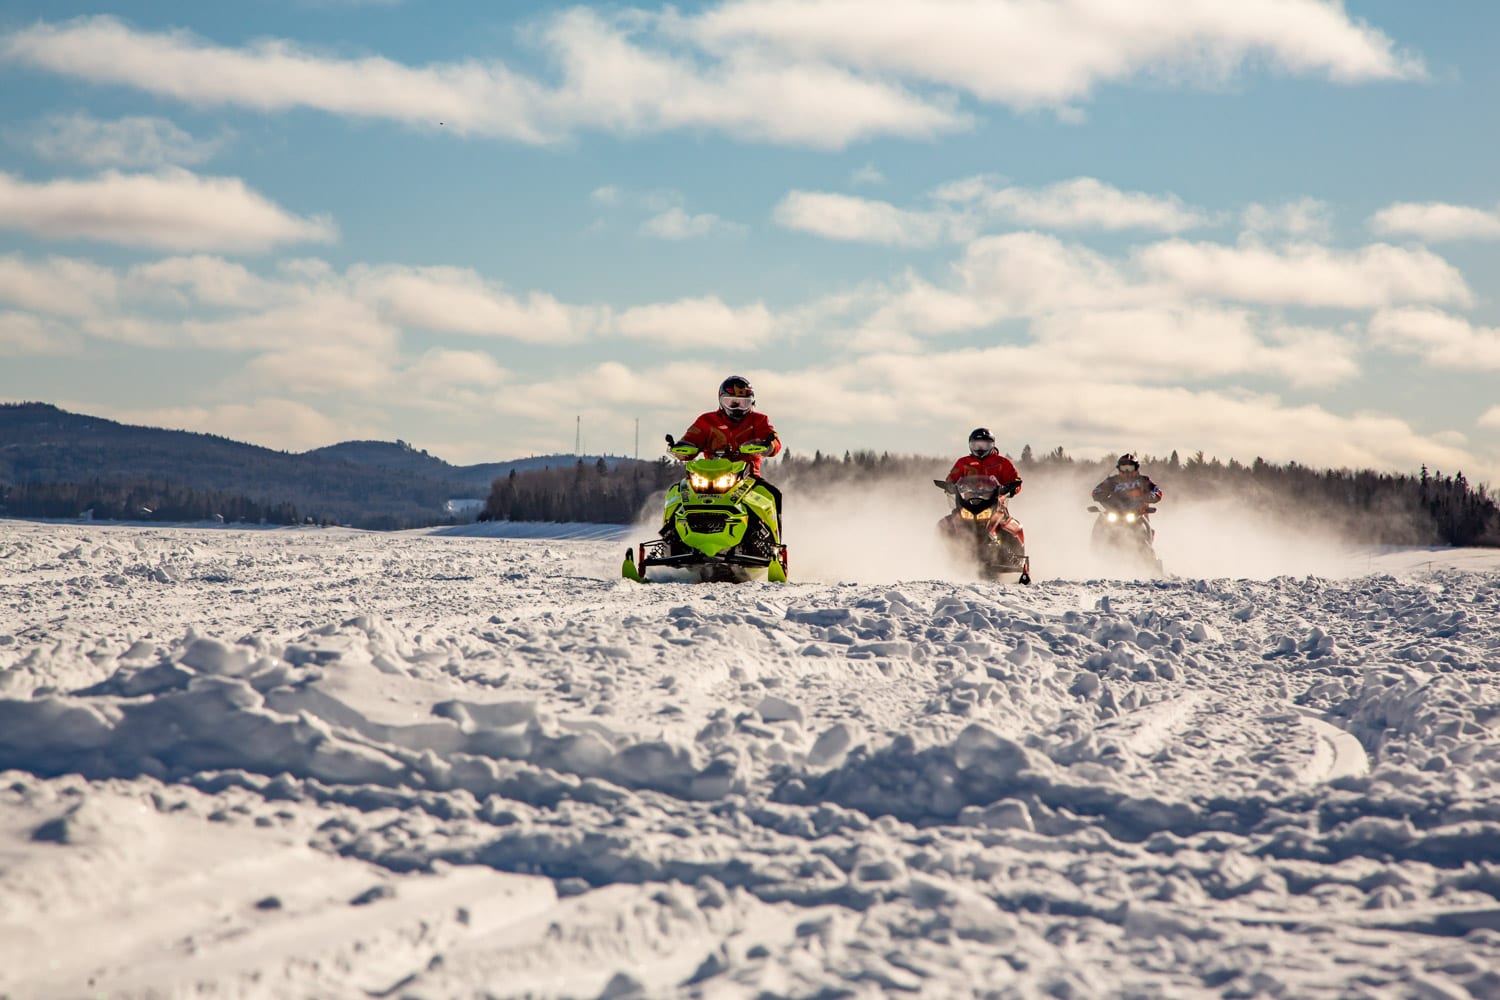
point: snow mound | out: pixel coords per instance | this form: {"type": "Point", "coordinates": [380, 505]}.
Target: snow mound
{"type": "Point", "coordinates": [339, 763]}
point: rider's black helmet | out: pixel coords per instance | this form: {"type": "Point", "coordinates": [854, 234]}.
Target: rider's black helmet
{"type": "Point", "coordinates": [736, 398]}
{"type": "Point", "coordinates": [1128, 459]}
{"type": "Point", "coordinates": [981, 442]}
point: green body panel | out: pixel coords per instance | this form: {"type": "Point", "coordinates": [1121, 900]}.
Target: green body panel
{"type": "Point", "coordinates": [737, 506]}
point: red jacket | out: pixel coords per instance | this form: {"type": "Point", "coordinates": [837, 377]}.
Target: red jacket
{"type": "Point", "coordinates": [715, 432]}
{"type": "Point", "coordinates": [993, 464]}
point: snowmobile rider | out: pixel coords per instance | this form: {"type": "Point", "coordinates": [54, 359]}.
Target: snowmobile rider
{"type": "Point", "coordinates": [1128, 488]}
{"type": "Point", "coordinates": [736, 422]}
{"type": "Point", "coordinates": [984, 460]}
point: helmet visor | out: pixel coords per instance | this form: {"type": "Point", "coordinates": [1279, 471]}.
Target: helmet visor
{"type": "Point", "coordinates": [980, 447]}
{"type": "Point", "coordinates": [736, 404]}
{"type": "Point", "coordinates": [1130, 468]}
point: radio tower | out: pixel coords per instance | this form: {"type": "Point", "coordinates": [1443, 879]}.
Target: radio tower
{"type": "Point", "coordinates": [578, 436]}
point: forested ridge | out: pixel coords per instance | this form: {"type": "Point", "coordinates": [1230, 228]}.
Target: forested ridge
{"type": "Point", "coordinates": [54, 463]}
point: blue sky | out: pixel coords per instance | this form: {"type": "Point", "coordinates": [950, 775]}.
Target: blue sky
{"type": "Point", "coordinates": [1265, 228]}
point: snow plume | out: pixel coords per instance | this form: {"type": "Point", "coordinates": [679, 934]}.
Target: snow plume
{"type": "Point", "coordinates": [879, 525]}
{"type": "Point", "coordinates": [870, 530]}
{"type": "Point", "coordinates": [881, 529]}
{"type": "Point", "coordinates": [1214, 537]}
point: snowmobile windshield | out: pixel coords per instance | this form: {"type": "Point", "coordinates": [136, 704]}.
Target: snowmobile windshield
{"type": "Point", "coordinates": [977, 488]}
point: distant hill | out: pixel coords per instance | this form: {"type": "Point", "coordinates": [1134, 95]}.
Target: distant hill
{"type": "Point", "coordinates": [365, 483]}
{"type": "Point", "coordinates": [399, 456]}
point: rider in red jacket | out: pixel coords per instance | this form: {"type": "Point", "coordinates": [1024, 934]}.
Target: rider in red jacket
{"type": "Point", "coordinates": [733, 424]}
{"type": "Point", "coordinates": [984, 460]}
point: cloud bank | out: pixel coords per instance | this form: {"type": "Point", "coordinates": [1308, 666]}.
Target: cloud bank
{"type": "Point", "coordinates": [818, 73]}
{"type": "Point", "coordinates": [171, 209]}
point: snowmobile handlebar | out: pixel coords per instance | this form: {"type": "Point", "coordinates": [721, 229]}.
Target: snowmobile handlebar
{"type": "Point", "coordinates": [686, 451]}
{"type": "Point", "coordinates": [1006, 489]}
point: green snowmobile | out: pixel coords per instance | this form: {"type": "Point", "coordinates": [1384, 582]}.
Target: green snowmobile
{"type": "Point", "coordinates": [720, 523]}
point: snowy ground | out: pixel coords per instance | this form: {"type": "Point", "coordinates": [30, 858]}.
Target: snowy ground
{"type": "Point", "coordinates": [338, 764]}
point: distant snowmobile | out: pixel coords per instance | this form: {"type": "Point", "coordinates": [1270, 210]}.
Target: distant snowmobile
{"type": "Point", "coordinates": [1123, 534]}
{"type": "Point", "coordinates": [719, 523]}
{"type": "Point", "coordinates": [981, 526]}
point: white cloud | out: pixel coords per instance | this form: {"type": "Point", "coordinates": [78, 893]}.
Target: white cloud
{"type": "Point", "coordinates": [867, 174]}
{"type": "Point", "coordinates": [1435, 221]}
{"type": "Point", "coordinates": [969, 205]}
{"type": "Point", "coordinates": [1065, 327]}
{"type": "Point", "coordinates": [669, 218]}
{"type": "Point", "coordinates": [1027, 54]}
{"type": "Point", "coordinates": [861, 220]}
{"type": "Point", "coordinates": [1490, 417]}
{"type": "Point", "coordinates": [1439, 338]}
{"type": "Point", "coordinates": [608, 81]}
{"type": "Point", "coordinates": [676, 223]}
{"type": "Point", "coordinates": [274, 75]}
{"type": "Point", "coordinates": [1155, 344]}
{"type": "Point", "coordinates": [918, 402]}
{"type": "Point", "coordinates": [698, 321]}
{"type": "Point", "coordinates": [442, 369]}
{"type": "Point", "coordinates": [171, 209]}
{"type": "Point", "coordinates": [611, 82]}
{"type": "Point", "coordinates": [458, 300]}
{"type": "Point", "coordinates": [27, 334]}
{"type": "Point", "coordinates": [57, 286]}
{"type": "Point", "coordinates": [1028, 274]}
{"type": "Point", "coordinates": [1305, 274]}
{"type": "Point", "coordinates": [322, 368]}
{"type": "Point", "coordinates": [1304, 218]}
{"type": "Point", "coordinates": [1080, 203]}
{"type": "Point", "coordinates": [206, 280]}
{"type": "Point", "coordinates": [124, 142]}
{"type": "Point", "coordinates": [820, 73]}
{"type": "Point", "coordinates": [318, 321]}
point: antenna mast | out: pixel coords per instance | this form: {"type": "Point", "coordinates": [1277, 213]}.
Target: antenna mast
{"type": "Point", "coordinates": [578, 435]}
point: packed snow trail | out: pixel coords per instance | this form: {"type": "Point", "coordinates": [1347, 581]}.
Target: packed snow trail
{"type": "Point", "coordinates": [322, 762]}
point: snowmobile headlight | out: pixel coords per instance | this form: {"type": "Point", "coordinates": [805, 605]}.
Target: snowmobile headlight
{"type": "Point", "coordinates": [966, 513]}
{"type": "Point", "coordinates": [725, 483]}
{"type": "Point", "coordinates": [1130, 518]}
{"type": "Point", "coordinates": [699, 483]}
{"type": "Point", "coordinates": [984, 515]}
{"type": "Point", "coordinates": [1112, 517]}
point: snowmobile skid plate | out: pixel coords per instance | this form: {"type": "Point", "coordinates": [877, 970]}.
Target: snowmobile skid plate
{"type": "Point", "coordinates": [728, 567]}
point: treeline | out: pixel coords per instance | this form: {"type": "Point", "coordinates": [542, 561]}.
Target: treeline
{"type": "Point", "coordinates": [588, 492]}
{"type": "Point", "coordinates": [138, 502]}
{"type": "Point", "coordinates": [1429, 508]}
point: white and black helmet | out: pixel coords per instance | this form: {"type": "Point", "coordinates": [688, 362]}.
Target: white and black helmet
{"type": "Point", "coordinates": [981, 442]}
{"type": "Point", "coordinates": [736, 397]}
